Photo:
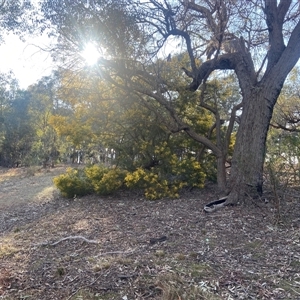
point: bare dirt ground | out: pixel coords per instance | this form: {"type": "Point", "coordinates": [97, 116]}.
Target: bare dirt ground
{"type": "Point", "coordinates": [125, 247]}
{"type": "Point", "coordinates": [26, 185]}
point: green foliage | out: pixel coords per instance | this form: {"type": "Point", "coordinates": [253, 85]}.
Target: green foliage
{"type": "Point", "coordinates": [113, 24]}
{"type": "Point", "coordinates": [73, 183]}
{"type": "Point", "coordinates": [17, 130]}
{"type": "Point", "coordinates": [15, 16]}
{"type": "Point", "coordinates": [105, 181]}
{"type": "Point", "coordinates": [42, 107]}
{"type": "Point", "coordinates": [95, 173]}
{"type": "Point", "coordinates": [164, 180]}
{"type": "Point", "coordinates": [93, 179]}
{"type": "Point", "coordinates": [151, 183]}
{"type": "Point", "coordinates": [283, 148]}
{"type": "Point", "coordinates": [168, 177]}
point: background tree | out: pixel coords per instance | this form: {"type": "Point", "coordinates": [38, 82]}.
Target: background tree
{"type": "Point", "coordinates": [80, 120]}
{"type": "Point", "coordinates": [283, 152]}
{"type": "Point", "coordinates": [8, 88]}
{"type": "Point", "coordinates": [19, 132]}
{"type": "Point", "coordinates": [43, 105]}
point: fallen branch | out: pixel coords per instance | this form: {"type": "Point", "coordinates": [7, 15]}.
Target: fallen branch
{"type": "Point", "coordinates": [76, 237]}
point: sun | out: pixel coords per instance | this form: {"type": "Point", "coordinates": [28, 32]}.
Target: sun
{"type": "Point", "coordinates": [90, 54]}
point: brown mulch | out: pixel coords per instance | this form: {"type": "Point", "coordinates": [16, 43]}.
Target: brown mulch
{"type": "Point", "coordinates": [125, 247]}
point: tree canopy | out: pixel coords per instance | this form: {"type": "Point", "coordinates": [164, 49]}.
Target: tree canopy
{"type": "Point", "coordinates": [14, 17]}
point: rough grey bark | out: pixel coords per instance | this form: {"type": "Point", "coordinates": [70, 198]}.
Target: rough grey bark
{"type": "Point", "coordinates": [249, 152]}
{"type": "Point", "coordinates": [221, 172]}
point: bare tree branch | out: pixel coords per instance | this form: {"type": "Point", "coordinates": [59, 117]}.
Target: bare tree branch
{"type": "Point", "coordinates": [274, 20]}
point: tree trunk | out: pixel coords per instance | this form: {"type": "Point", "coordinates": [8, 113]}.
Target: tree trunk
{"type": "Point", "coordinates": [249, 152]}
{"type": "Point", "coordinates": [221, 172]}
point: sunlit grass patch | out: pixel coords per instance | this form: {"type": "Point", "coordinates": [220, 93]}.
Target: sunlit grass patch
{"type": "Point", "coordinates": [7, 247]}
{"type": "Point", "coordinates": [46, 192]}
{"type": "Point", "coordinates": [7, 174]}
{"type": "Point", "coordinates": [104, 263]}
{"type": "Point", "coordinates": [173, 286]}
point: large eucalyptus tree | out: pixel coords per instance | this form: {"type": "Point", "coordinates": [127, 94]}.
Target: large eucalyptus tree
{"type": "Point", "coordinates": [258, 40]}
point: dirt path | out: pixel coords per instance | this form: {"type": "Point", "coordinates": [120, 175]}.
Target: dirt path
{"type": "Point", "coordinates": [31, 185]}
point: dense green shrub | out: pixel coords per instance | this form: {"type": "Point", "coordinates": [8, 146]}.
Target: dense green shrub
{"type": "Point", "coordinates": [164, 180]}
{"type": "Point", "coordinates": [92, 179]}
{"type": "Point", "coordinates": [168, 177]}
{"type": "Point", "coordinates": [73, 183]}
{"type": "Point", "coordinates": [157, 185]}
{"type": "Point", "coordinates": [106, 181]}
{"type": "Point", "coordinates": [95, 174]}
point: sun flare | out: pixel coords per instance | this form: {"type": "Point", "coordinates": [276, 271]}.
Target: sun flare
{"type": "Point", "coordinates": [90, 54]}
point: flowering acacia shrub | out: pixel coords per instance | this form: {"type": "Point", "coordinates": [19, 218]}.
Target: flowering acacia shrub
{"type": "Point", "coordinates": [92, 179]}
{"type": "Point", "coordinates": [156, 186]}
{"type": "Point", "coordinates": [169, 177]}
{"type": "Point", "coordinates": [164, 180]}
{"type": "Point", "coordinates": [105, 181]}
{"type": "Point", "coordinates": [73, 183]}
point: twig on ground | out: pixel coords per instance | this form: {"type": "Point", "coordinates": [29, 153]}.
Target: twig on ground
{"type": "Point", "coordinates": [76, 237]}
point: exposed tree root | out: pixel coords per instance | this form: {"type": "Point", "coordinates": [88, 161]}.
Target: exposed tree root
{"type": "Point", "coordinates": [212, 206]}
